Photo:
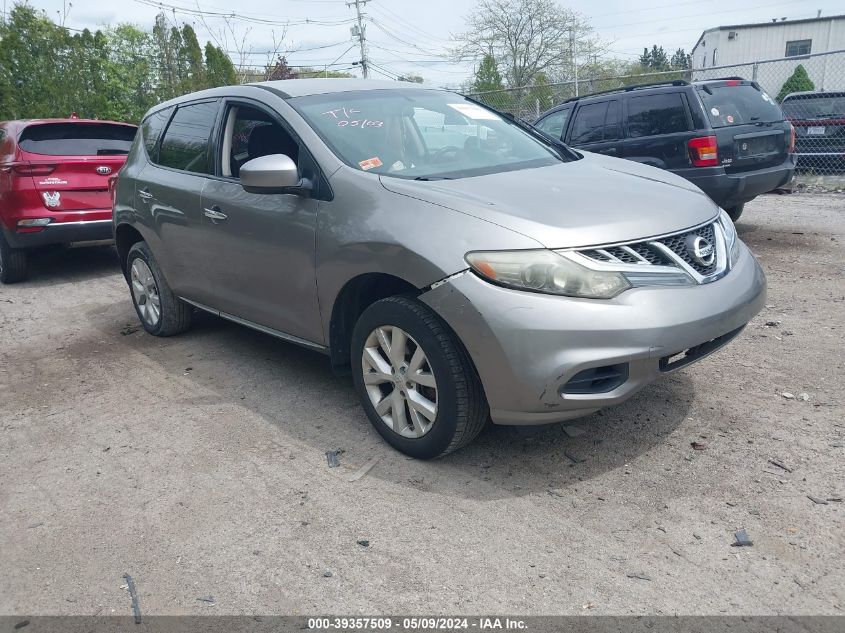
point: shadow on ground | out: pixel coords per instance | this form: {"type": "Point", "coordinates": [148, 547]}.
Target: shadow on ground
{"type": "Point", "coordinates": [296, 390]}
{"type": "Point", "coordinates": [62, 264]}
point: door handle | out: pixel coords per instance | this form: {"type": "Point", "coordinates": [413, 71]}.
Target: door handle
{"type": "Point", "coordinates": [214, 214]}
{"type": "Point", "coordinates": [145, 195]}
{"type": "Point", "coordinates": [609, 150]}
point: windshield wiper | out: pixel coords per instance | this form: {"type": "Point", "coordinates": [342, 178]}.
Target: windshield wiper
{"type": "Point", "coordinates": [433, 178]}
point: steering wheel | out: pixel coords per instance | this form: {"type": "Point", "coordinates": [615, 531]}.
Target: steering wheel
{"type": "Point", "coordinates": [445, 151]}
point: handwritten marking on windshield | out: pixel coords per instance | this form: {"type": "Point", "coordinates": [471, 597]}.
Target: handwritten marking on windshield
{"type": "Point", "coordinates": [342, 116]}
{"type": "Point", "coordinates": [346, 112]}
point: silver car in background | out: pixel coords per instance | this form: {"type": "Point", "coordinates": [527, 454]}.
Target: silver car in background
{"type": "Point", "coordinates": [460, 266]}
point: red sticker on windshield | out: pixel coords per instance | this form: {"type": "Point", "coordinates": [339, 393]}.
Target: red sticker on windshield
{"type": "Point", "coordinates": [370, 163]}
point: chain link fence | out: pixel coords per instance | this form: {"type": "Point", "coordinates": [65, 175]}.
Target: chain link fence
{"type": "Point", "coordinates": [819, 119]}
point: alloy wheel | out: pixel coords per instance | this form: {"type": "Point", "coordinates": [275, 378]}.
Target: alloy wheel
{"type": "Point", "coordinates": [145, 292]}
{"type": "Point", "coordinates": [399, 381]}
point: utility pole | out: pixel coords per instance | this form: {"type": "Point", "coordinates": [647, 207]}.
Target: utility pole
{"type": "Point", "coordinates": [360, 32]}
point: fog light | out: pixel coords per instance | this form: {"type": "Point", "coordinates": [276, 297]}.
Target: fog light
{"type": "Point", "coordinates": [35, 222]}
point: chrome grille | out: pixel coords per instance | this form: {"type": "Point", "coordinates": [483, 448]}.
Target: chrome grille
{"type": "Point", "coordinates": [667, 253]}
{"type": "Point", "coordinates": [678, 244]}
{"type": "Point", "coordinates": [643, 253]}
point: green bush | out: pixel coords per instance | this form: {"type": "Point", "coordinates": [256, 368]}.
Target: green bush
{"type": "Point", "coordinates": [798, 81]}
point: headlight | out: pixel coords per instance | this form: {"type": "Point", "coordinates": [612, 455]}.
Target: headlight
{"type": "Point", "coordinates": [548, 272]}
{"type": "Point", "coordinates": [731, 239]}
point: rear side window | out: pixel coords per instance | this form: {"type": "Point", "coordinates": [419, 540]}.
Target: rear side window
{"type": "Point", "coordinates": [185, 143]}
{"type": "Point", "coordinates": [651, 115]}
{"type": "Point", "coordinates": [596, 122]}
{"type": "Point", "coordinates": [151, 129]}
{"type": "Point", "coordinates": [555, 123]}
{"type": "Point", "coordinates": [738, 105]}
{"type": "Point", "coordinates": [77, 139]}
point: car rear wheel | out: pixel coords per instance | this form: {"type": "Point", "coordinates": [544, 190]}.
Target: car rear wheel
{"type": "Point", "coordinates": [13, 263]}
{"type": "Point", "coordinates": [735, 211]}
{"type": "Point", "coordinates": [161, 312]}
{"type": "Point", "coordinates": [415, 379]}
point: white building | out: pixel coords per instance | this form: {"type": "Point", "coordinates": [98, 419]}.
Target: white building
{"type": "Point", "coordinates": [744, 44]}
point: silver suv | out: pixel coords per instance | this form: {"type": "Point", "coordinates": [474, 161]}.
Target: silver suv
{"type": "Point", "coordinates": [463, 266]}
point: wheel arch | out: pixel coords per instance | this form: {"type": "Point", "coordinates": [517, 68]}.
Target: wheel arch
{"type": "Point", "coordinates": [356, 295]}
{"type": "Point", "coordinates": [125, 235]}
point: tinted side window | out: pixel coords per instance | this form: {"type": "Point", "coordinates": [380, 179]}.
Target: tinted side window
{"type": "Point", "coordinates": [151, 129]}
{"type": "Point", "coordinates": [656, 114]}
{"type": "Point", "coordinates": [611, 122]}
{"type": "Point", "coordinates": [185, 143]}
{"type": "Point", "coordinates": [555, 123]}
{"type": "Point", "coordinates": [596, 122]}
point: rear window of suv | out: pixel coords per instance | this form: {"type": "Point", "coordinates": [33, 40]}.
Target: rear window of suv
{"type": "Point", "coordinates": [829, 106]}
{"type": "Point", "coordinates": [77, 139]}
{"type": "Point", "coordinates": [741, 104]}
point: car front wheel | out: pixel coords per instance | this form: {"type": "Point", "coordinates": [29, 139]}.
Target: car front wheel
{"type": "Point", "coordinates": [161, 312]}
{"type": "Point", "coordinates": [415, 380]}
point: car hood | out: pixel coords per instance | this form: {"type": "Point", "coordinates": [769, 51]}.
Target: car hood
{"type": "Point", "coordinates": [595, 200]}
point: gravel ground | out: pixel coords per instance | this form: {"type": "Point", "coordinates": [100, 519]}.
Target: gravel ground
{"type": "Point", "coordinates": [197, 464]}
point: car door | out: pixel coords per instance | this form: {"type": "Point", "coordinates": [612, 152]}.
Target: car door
{"type": "Point", "coordinates": [596, 127]}
{"type": "Point", "coordinates": [657, 130]}
{"type": "Point", "coordinates": [168, 195]}
{"type": "Point", "coordinates": [263, 244]}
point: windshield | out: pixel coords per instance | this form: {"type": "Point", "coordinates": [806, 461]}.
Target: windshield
{"type": "Point", "coordinates": [77, 139]}
{"type": "Point", "coordinates": [738, 105]}
{"type": "Point", "coordinates": [815, 106]}
{"type": "Point", "coordinates": [422, 134]}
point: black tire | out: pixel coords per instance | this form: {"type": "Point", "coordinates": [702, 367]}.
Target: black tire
{"type": "Point", "coordinates": [14, 264]}
{"type": "Point", "coordinates": [462, 409]}
{"type": "Point", "coordinates": [735, 211]}
{"type": "Point", "coordinates": [175, 315]}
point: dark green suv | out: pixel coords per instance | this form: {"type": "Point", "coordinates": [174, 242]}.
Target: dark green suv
{"type": "Point", "coordinates": [727, 136]}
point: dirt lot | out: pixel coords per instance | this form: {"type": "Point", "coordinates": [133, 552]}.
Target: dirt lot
{"type": "Point", "coordinates": [197, 464]}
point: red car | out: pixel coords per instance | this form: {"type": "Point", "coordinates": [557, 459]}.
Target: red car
{"type": "Point", "coordinates": [54, 184]}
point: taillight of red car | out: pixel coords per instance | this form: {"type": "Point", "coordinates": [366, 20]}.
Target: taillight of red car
{"type": "Point", "coordinates": [30, 169]}
{"type": "Point", "coordinates": [704, 151]}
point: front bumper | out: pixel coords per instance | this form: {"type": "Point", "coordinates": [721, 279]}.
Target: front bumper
{"type": "Point", "coordinates": [730, 189]}
{"type": "Point", "coordinates": [527, 346]}
{"type": "Point", "coordinates": [61, 233]}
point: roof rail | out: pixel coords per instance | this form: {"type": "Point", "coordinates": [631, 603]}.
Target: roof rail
{"type": "Point", "coordinates": [657, 84]}
{"type": "Point", "coordinates": [722, 79]}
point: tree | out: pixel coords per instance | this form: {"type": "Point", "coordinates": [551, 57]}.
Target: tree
{"type": "Point", "coordinates": [219, 70]}
{"type": "Point", "coordinates": [681, 60]}
{"type": "Point", "coordinates": [279, 70]}
{"type": "Point", "coordinates": [526, 37]}
{"type": "Point", "coordinates": [130, 81]}
{"type": "Point", "coordinates": [654, 59]}
{"type": "Point", "coordinates": [798, 81]}
{"type": "Point", "coordinates": [541, 96]}
{"type": "Point", "coordinates": [323, 73]}
{"type": "Point", "coordinates": [191, 66]}
{"type": "Point", "coordinates": [487, 76]}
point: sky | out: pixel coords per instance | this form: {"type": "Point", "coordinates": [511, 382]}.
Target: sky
{"type": "Point", "coordinates": [413, 36]}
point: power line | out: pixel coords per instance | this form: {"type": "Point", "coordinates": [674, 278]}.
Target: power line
{"type": "Point", "coordinates": [237, 16]}
{"type": "Point", "coordinates": [395, 17]}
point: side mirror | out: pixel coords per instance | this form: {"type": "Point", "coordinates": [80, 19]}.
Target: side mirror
{"type": "Point", "coordinates": [275, 173]}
